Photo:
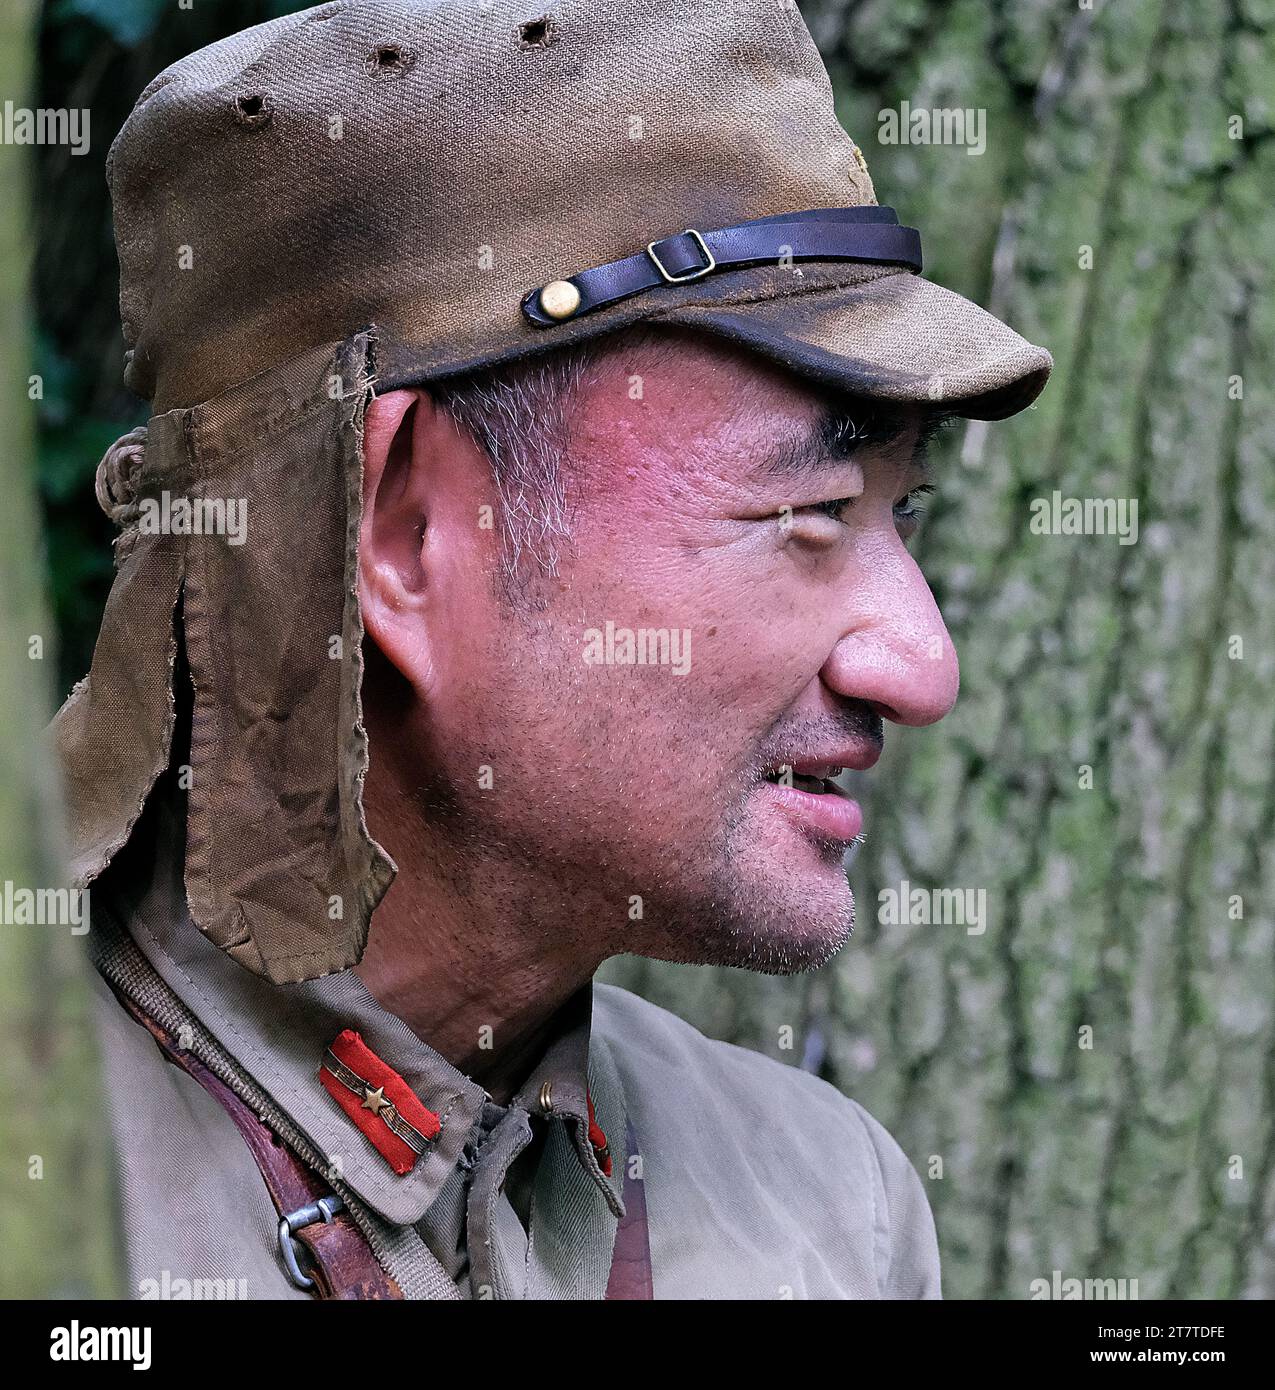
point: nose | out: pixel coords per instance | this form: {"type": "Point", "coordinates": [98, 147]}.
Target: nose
{"type": "Point", "coordinates": [894, 652]}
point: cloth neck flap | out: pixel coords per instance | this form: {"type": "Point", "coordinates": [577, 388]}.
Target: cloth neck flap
{"type": "Point", "coordinates": [241, 540]}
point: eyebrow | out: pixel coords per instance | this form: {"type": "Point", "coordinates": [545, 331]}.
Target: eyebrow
{"type": "Point", "coordinates": [840, 431]}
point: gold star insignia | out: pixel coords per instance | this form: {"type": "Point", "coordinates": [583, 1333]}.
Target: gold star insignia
{"type": "Point", "coordinates": [374, 1100]}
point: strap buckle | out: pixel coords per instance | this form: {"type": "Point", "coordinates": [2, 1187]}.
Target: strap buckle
{"type": "Point", "coordinates": [695, 273]}
{"type": "Point", "coordinates": [322, 1210]}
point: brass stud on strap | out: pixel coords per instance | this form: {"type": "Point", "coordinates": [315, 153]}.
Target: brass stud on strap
{"type": "Point", "coordinates": [559, 299]}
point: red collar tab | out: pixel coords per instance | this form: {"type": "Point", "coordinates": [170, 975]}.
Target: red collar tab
{"type": "Point", "coordinates": [379, 1101]}
{"type": "Point", "coordinates": [598, 1139]}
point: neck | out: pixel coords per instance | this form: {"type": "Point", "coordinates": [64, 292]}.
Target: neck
{"type": "Point", "coordinates": [477, 972]}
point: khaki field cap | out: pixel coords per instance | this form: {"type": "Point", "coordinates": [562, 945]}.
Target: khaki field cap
{"type": "Point", "coordinates": [386, 192]}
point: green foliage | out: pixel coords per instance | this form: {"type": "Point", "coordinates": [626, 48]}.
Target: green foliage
{"type": "Point", "coordinates": [128, 22]}
{"type": "Point", "coordinates": [78, 536]}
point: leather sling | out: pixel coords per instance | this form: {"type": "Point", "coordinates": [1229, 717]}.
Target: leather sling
{"type": "Point", "coordinates": [340, 1259]}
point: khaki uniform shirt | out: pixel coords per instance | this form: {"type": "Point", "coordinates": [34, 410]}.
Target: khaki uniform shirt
{"type": "Point", "coordinates": [760, 1181]}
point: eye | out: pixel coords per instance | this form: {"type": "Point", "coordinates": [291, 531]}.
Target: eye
{"type": "Point", "coordinates": [833, 507]}
{"type": "Point", "coordinates": [909, 510]}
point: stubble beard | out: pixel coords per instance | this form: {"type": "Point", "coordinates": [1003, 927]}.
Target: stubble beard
{"type": "Point", "coordinates": [725, 903]}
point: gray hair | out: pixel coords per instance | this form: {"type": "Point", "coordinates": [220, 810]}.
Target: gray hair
{"type": "Point", "coordinates": [520, 416]}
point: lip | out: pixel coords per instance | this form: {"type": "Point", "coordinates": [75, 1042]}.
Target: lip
{"type": "Point", "coordinates": [831, 815]}
{"type": "Point", "coordinates": [857, 756]}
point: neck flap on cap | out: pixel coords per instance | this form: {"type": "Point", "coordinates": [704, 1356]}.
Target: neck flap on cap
{"type": "Point", "coordinates": [241, 542]}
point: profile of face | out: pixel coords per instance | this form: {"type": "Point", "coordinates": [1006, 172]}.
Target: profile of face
{"type": "Point", "coordinates": [634, 755]}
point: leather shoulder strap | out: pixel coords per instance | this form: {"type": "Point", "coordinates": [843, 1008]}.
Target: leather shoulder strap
{"type": "Point", "coordinates": [342, 1263]}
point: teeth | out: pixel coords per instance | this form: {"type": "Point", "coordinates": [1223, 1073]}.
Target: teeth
{"type": "Point", "coordinates": [807, 781]}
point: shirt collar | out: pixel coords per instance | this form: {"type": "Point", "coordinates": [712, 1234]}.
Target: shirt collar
{"type": "Point", "coordinates": [279, 1033]}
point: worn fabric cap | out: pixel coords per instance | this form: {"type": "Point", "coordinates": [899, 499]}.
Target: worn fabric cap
{"type": "Point", "coordinates": [421, 166]}
{"type": "Point", "coordinates": [365, 195]}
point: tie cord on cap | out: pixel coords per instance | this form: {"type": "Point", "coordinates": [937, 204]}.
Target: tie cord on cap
{"type": "Point", "coordinates": [118, 475]}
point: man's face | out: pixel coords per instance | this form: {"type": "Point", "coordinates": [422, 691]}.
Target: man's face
{"type": "Point", "coordinates": [727, 528]}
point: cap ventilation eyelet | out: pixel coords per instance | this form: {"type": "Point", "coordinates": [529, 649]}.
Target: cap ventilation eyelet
{"type": "Point", "coordinates": [537, 33]}
{"type": "Point", "coordinates": [390, 60]}
{"type": "Point", "coordinates": [253, 109]}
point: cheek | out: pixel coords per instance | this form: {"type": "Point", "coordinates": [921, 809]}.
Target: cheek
{"type": "Point", "coordinates": [756, 629]}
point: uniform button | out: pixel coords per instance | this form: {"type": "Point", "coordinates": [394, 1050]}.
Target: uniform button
{"type": "Point", "coordinates": [546, 1097]}
{"type": "Point", "coordinates": [559, 299]}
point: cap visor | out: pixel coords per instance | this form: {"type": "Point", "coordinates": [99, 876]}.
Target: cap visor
{"type": "Point", "coordinates": [898, 338]}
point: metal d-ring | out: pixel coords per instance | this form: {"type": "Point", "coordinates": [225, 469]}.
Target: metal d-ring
{"type": "Point", "coordinates": [323, 1210]}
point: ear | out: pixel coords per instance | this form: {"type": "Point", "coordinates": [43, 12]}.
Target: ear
{"type": "Point", "coordinates": [405, 438]}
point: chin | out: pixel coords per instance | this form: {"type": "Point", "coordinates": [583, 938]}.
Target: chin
{"type": "Point", "coordinates": [795, 886]}
{"type": "Point", "coordinates": [802, 930]}
{"type": "Point", "coordinates": [771, 927]}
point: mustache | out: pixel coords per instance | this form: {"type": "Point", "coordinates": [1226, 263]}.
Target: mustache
{"type": "Point", "coordinates": [855, 722]}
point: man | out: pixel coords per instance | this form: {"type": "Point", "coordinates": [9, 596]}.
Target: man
{"type": "Point", "coordinates": [573, 574]}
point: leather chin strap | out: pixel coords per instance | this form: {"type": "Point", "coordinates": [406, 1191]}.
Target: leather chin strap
{"type": "Point", "coordinates": [870, 234]}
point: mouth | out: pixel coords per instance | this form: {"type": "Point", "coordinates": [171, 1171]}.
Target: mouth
{"type": "Point", "coordinates": [807, 794]}
{"type": "Point", "coordinates": [818, 782]}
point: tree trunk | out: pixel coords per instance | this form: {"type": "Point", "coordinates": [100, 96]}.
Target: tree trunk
{"type": "Point", "coordinates": [1093, 1075]}
{"type": "Point", "coordinates": [57, 1197]}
